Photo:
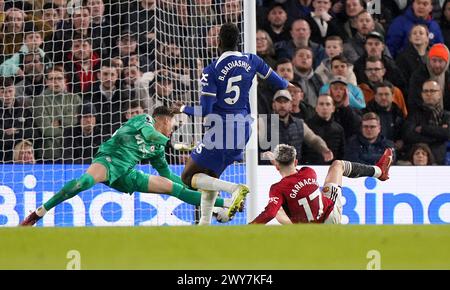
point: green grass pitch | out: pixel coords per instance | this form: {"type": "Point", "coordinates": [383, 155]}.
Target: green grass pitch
{"type": "Point", "coordinates": [233, 247]}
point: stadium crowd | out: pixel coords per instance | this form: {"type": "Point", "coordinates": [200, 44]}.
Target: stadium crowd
{"type": "Point", "coordinates": [368, 74]}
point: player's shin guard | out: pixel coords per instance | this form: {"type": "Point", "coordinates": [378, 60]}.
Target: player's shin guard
{"type": "Point", "coordinates": [191, 196]}
{"type": "Point", "coordinates": [206, 206]}
{"type": "Point", "coordinates": [206, 182]}
{"type": "Point", "coordinates": [69, 190]}
{"type": "Point", "coordinates": [355, 170]}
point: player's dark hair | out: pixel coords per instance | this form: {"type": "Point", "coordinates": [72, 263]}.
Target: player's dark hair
{"type": "Point", "coordinates": [285, 155]}
{"type": "Point", "coordinates": [162, 111]}
{"type": "Point", "coordinates": [229, 37]}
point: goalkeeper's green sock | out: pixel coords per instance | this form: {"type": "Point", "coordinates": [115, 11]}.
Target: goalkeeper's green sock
{"type": "Point", "coordinates": [190, 196]}
{"type": "Point", "coordinates": [69, 190]}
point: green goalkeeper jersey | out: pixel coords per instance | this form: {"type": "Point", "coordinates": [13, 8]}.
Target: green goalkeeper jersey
{"type": "Point", "coordinates": [137, 140]}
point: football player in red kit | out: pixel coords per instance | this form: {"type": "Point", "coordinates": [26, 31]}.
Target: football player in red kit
{"type": "Point", "coordinates": [297, 198]}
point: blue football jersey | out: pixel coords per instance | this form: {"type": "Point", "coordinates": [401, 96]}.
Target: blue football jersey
{"type": "Point", "coordinates": [229, 79]}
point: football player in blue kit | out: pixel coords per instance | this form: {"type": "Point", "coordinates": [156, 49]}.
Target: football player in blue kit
{"type": "Point", "coordinates": [224, 102]}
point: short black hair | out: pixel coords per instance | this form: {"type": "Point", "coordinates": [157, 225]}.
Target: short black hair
{"type": "Point", "coordinates": [6, 82]}
{"type": "Point", "coordinates": [229, 36]}
{"type": "Point", "coordinates": [384, 84]}
{"type": "Point", "coordinates": [162, 111]}
{"type": "Point", "coordinates": [282, 61]}
{"type": "Point", "coordinates": [50, 5]}
{"type": "Point", "coordinates": [340, 58]}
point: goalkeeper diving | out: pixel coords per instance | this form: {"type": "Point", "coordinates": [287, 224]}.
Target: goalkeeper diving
{"type": "Point", "coordinates": [140, 138]}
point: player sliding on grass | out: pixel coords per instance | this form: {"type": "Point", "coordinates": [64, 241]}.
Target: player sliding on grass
{"type": "Point", "coordinates": [224, 99]}
{"type": "Point", "coordinates": [297, 198]}
{"type": "Point", "coordinates": [142, 137]}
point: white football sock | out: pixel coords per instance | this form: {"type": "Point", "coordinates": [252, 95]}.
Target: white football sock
{"type": "Point", "coordinates": [206, 182]}
{"type": "Point", "coordinates": [41, 211]}
{"type": "Point", "coordinates": [378, 172]}
{"type": "Point", "coordinates": [206, 206]}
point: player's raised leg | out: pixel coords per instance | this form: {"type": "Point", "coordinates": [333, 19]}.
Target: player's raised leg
{"type": "Point", "coordinates": [206, 180]}
{"type": "Point", "coordinates": [333, 181]}
{"type": "Point", "coordinates": [94, 174]}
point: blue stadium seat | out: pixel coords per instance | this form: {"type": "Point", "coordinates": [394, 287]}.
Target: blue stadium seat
{"type": "Point", "coordinates": [447, 158]}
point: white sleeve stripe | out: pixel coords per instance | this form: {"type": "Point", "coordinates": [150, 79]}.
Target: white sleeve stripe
{"type": "Point", "coordinates": [268, 74]}
{"type": "Point", "coordinates": [208, 94]}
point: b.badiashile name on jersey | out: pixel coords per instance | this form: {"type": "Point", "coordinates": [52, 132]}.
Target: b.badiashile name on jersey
{"type": "Point", "coordinates": [232, 64]}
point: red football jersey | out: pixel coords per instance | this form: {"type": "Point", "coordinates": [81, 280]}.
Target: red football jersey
{"type": "Point", "coordinates": [300, 196]}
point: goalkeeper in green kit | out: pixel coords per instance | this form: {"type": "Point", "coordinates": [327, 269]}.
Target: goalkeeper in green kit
{"type": "Point", "coordinates": [142, 137]}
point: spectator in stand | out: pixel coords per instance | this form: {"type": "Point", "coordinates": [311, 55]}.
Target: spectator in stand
{"type": "Point", "coordinates": [134, 108]}
{"type": "Point", "coordinates": [345, 115]}
{"type": "Point", "coordinates": [297, 9]}
{"type": "Point", "coordinates": [292, 131]}
{"type": "Point", "coordinates": [232, 12]}
{"type": "Point", "coordinates": [108, 98]}
{"type": "Point", "coordinates": [417, 13]}
{"type": "Point", "coordinates": [445, 22]}
{"type": "Point", "coordinates": [32, 42]}
{"type": "Point", "coordinates": [375, 71]}
{"type": "Point", "coordinates": [202, 12]}
{"type": "Point", "coordinates": [139, 16]}
{"type": "Point", "coordinates": [55, 110]}
{"type": "Point", "coordinates": [419, 155]}
{"type": "Point", "coordinates": [301, 34]}
{"type": "Point", "coordinates": [374, 47]}
{"type": "Point", "coordinates": [367, 146]}
{"type": "Point", "coordinates": [277, 27]}
{"type": "Point", "coordinates": [102, 27]}
{"type": "Point", "coordinates": [80, 66]}
{"type": "Point", "coordinates": [329, 130]}
{"type": "Point", "coordinates": [24, 153]}
{"type": "Point", "coordinates": [429, 123]}
{"type": "Point", "coordinates": [304, 74]}
{"type": "Point", "coordinates": [77, 27]}
{"type": "Point", "coordinates": [285, 69]}
{"type": "Point", "coordinates": [339, 69]}
{"type": "Point", "coordinates": [81, 142]}
{"type": "Point", "coordinates": [16, 121]}
{"type": "Point", "coordinates": [354, 47]}
{"type": "Point", "coordinates": [127, 46]}
{"type": "Point", "coordinates": [415, 54]}
{"type": "Point", "coordinates": [321, 22]}
{"type": "Point", "coordinates": [131, 75]}
{"type": "Point", "coordinates": [264, 48]}
{"type": "Point", "coordinates": [300, 109]}
{"type": "Point", "coordinates": [333, 47]}
{"type": "Point", "coordinates": [11, 37]}
{"type": "Point", "coordinates": [391, 117]}
{"type": "Point", "coordinates": [352, 9]}
{"type": "Point", "coordinates": [33, 77]}
{"type": "Point", "coordinates": [51, 18]}
{"type": "Point", "coordinates": [435, 68]}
